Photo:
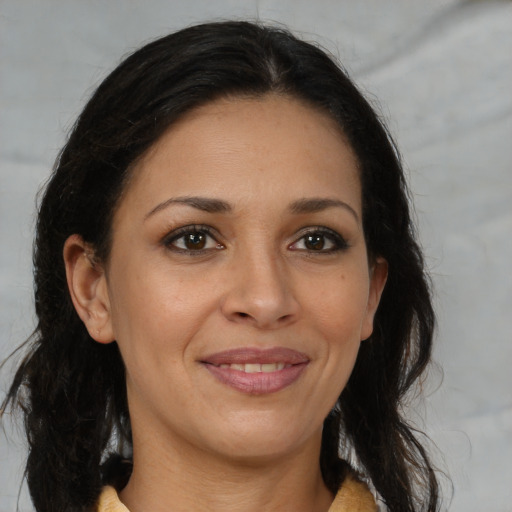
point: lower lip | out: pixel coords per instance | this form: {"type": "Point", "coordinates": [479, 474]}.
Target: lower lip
{"type": "Point", "coordinates": [257, 383]}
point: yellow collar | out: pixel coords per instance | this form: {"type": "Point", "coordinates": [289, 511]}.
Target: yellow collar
{"type": "Point", "coordinates": [353, 496]}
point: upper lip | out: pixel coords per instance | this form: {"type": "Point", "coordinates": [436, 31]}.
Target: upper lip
{"type": "Point", "coordinates": [257, 355]}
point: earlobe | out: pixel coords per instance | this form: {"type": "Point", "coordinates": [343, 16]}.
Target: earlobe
{"type": "Point", "coordinates": [88, 289]}
{"type": "Point", "coordinates": [378, 277]}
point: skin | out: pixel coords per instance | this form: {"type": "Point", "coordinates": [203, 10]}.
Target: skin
{"type": "Point", "coordinates": [200, 444]}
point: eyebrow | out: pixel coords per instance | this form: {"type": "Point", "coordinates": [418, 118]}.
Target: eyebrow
{"type": "Point", "coordinates": [204, 204]}
{"type": "Point", "coordinates": [318, 204]}
{"type": "Point", "coordinates": [209, 205]}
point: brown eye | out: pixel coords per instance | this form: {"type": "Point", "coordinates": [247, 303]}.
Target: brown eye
{"type": "Point", "coordinates": [195, 241]}
{"type": "Point", "coordinates": [192, 239]}
{"type": "Point", "coordinates": [314, 242]}
{"type": "Point", "coordinates": [320, 240]}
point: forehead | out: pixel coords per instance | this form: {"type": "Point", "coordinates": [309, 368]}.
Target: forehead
{"type": "Point", "coordinates": [273, 146]}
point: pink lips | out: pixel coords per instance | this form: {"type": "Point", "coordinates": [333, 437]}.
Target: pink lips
{"type": "Point", "coordinates": [253, 381]}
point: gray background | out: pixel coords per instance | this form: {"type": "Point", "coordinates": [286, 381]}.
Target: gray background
{"type": "Point", "coordinates": [442, 73]}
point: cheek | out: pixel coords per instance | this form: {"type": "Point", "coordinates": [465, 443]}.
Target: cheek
{"type": "Point", "coordinates": [157, 312]}
{"type": "Point", "coordinates": [150, 324]}
{"type": "Point", "coordinates": [338, 311]}
{"type": "Point", "coordinates": [339, 304]}
{"type": "Point", "coordinates": [148, 300]}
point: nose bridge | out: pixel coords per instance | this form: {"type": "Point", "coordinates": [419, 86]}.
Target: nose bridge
{"type": "Point", "coordinates": [260, 291]}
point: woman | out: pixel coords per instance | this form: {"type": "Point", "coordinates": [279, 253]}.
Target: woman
{"type": "Point", "coordinates": [231, 302]}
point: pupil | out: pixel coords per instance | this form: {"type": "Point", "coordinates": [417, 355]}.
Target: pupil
{"type": "Point", "coordinates": [315, 242]}
{"type": "Point", "coordinates": [195, 241]}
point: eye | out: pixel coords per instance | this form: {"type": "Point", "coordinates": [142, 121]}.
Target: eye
{"type": "Point", "coordinates": [192, 239]}
{"type": "Point", "coordinates": [321, 240]}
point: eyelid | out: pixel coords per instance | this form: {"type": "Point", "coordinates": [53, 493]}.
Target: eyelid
{"type": "Point", "coordinates": [178, 233]}
{"type": "Point", "coordinates": [339, 240]}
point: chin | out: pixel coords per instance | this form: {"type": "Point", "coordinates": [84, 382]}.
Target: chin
{"type": "Point", "coordinates": [260, 443]}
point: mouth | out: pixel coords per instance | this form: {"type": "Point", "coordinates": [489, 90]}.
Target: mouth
{"type": "Point", "coordinates": [256, 367]}
{"type": "Point", "coordinates": [256, 371]}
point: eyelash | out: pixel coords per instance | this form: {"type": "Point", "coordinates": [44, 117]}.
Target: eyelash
{"type": "Point", "coordinates": [180, 233]}
{"type": "Point", "coordinates": [339, 243]}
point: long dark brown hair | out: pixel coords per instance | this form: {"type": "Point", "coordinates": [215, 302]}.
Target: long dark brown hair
{"type": "Point", "coordinates": [72, 390]}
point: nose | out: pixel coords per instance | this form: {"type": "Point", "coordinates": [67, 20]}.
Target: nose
{"type": "Point", "coordinates": [260, 292]}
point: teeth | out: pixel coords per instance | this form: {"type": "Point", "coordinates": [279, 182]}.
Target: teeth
{"type": "Point", "coordinates": [252, 368]}
{"type": "Point", "coordinates": [256, 367]}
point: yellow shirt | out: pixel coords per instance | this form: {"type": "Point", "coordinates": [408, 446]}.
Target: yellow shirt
{"type": "Point", "coordinates": [353, 496]}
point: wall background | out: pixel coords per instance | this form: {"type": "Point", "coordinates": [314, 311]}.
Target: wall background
{"type": "Point", "coordinates": [442, 73]}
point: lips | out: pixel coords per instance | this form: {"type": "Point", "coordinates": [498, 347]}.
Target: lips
{"type": "Point", "coordinates": [256, 367]}
{"type": "Point", "coordinates": [256, 371]}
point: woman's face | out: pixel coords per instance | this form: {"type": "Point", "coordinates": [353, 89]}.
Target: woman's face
{"type": "Point", "coordinates": [239, 287]}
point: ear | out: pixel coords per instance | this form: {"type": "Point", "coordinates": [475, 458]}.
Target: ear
{"type": "Point", "coordinates": [378, 277]}
{"type": "Point", "coordinates": [88, 288]}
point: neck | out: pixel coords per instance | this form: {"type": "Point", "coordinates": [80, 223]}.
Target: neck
{"type": "Point", "coordinates": [185, 478]}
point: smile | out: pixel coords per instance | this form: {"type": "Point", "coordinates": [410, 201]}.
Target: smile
{"type": "Point", "coordinates": [256, 367]}
{"type": "Point", "coordinates": [256, 371]}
